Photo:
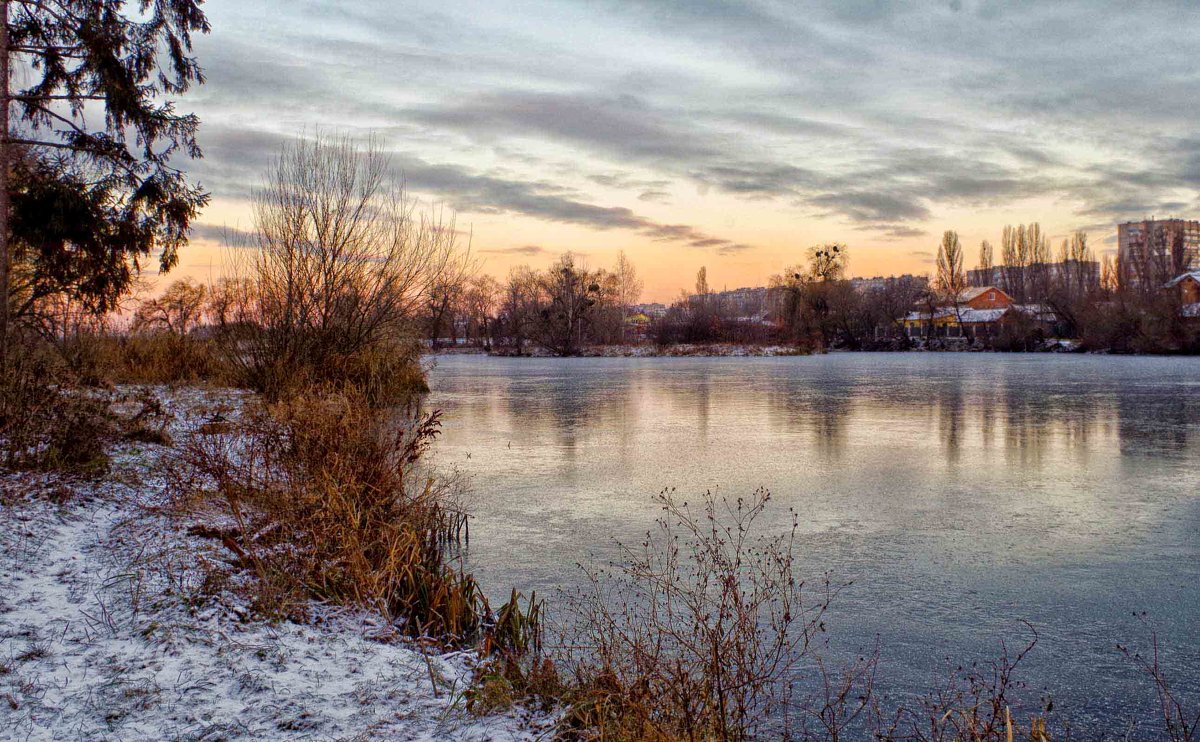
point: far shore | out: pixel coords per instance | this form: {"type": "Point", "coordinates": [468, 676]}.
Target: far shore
{"type": "Point", "coordinates": [720, 350]}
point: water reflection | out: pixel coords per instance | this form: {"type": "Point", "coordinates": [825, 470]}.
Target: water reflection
{"type": "Point", "coordinates": [960, 492]}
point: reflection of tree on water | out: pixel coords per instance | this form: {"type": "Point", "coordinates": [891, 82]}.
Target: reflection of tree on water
{"type": "Point", "coordinates": [950, 417]}
{"type": "Point", "coordinates": [819, 403]}
{"type": "Point", "coordinates": [1038, 416]}
{"type": "Point", "coordinates": [1153, 424]}
{"type": "Point", "coordinates": [575, 406]}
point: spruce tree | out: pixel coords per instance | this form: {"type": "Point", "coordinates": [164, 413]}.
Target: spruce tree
{"type": "Point", "coordinates": [87, 184]}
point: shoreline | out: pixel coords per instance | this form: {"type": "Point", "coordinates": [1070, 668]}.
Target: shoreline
{"type": "Point", "coordinates": [733, 350]}
{"type": "Point", "coordinates": [119, 618]}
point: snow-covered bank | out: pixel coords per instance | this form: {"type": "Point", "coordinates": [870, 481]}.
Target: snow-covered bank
{"type": "Point", "coordinates": [112, 626]}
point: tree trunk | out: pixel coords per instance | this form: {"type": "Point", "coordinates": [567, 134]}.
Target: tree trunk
{"type": "Point", "coordinates": [4, 180]}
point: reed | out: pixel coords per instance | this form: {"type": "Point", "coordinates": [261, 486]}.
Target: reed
{"type": "Point", "coordinates": [147, 357]}
{"type": "Point", "coordinates": [323, 497]}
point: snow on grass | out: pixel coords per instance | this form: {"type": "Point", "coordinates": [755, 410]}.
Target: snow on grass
{"type": "Point", "coordinates": [110, 628]}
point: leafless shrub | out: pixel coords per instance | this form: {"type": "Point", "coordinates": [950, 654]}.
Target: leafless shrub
{"type": "Point", "coordinates": [844, 702]}
{"type": "Point", "coordinates": [46, 421]}
{"type": "Point", "coordinates": [1179, 723]}
{"type": "Point", "coordinates": [698, 634]}
{"type": "Point", "coordinates": [973, 704]}
{"type": "Point", "coordinates": [342, 262]}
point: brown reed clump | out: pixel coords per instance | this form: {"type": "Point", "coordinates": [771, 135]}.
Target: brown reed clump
{"type": "Point", "coordinates": [145, 357]}
{"type": "Point", "coordinates": [322, 498]}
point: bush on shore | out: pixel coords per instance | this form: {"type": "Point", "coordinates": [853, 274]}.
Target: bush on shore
{"type": "Point", "coordinates": [47, 421]}
{"type": "Point", "coordinates": [343, 262]}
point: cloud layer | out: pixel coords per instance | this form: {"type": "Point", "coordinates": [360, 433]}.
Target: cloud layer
{"type": "Point", "coordinates": [875, 117]}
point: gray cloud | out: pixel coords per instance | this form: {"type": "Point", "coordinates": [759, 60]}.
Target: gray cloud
{"type": "Point", "coordinates": [523, 250]}
{"type": "Point", "coordinates": [654, 196]}
{"type": "Point", "coordinates": [879, 115]}
{"type": "Point", "coordinates": [624, 125]}
{"type": "Point", "coordinates": [224, 235]}
{"type": "Point", "coordinates": [894, 231]}
{"type": "Point", "coordinates": [625, 181]}
{"type": "Point", "coordinates": [478, 193]}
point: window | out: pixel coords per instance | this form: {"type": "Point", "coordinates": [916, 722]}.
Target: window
{"type": "Point", "coordinates": [991, 296]}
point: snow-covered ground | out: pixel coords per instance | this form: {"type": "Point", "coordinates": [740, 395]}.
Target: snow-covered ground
{"type": "Point", "coordinates": [108, 630]}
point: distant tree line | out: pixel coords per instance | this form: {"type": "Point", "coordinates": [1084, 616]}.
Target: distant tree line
{"type": "Point", "coordinates": [561, 309]}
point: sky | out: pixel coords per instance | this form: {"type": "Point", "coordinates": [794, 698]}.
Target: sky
{"type": "Point", "coordinates": [730, 135]}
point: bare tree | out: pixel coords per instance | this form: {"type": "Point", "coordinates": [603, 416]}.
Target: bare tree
{"type": "Point", "coordinates": [702, 289]}
{"type": "Point", "coordinates": [1038, 281]}
{"type": "Point", "coordinates": [520, 305]}
{"type": "Point", "coordinates": [828, 262]}
{"type": "Point", "coordinates": [571, 292]}
{"type": "Point", "coordinates": [986, 260]}
{"type": "Point", "coordinates": [951, 281]}
{"type": "Point", "coordinates": [1014, 267]}
{"type": "Point", "coordinates": [891, 302]}
{"type": "Point", "coordinates": [343, 258]}
{"type": "Point", "coordinates": [628, 288]}
{"type": "Point", "coordinates": [480, 301]}
{"type": "Point", "coordinates": [950, 278]}
{"type": "Point", "coordinates": [178, 310]}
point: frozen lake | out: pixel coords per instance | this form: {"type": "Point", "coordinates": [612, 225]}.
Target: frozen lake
{"type": "Point", "coordinates": [961, 493]}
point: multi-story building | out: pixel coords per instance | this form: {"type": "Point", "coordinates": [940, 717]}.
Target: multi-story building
{"type": "Point", "coordinates": [651, 310]}
{"type": "Point", "coordinates": [1152, 251]}
{"type": "Point", "coordinates": [863, 285]}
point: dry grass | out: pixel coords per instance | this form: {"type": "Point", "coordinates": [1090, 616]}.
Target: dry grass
{"type": "Point", "coordinates": [385, 373]}
{"type": "Point", "coordinates": [322, 498]}
{"type": "Point", "coordinates": [46, 420]}
{"type": "Point", "coordinates": [154, 357]}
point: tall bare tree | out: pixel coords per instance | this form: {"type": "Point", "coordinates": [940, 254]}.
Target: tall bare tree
{"type": "Point", "coordinates": [628, 288]}
{"type": "Point", "coordinates": [986, 259]}
{"type": "Point", "coordinates": [1037, 283]}
{"type": "Point", "coordinates": [344, 259]}
{"type": "Point", "coordinates": [950, 280]}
